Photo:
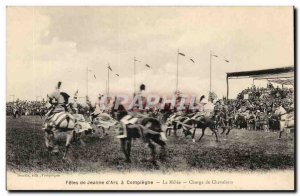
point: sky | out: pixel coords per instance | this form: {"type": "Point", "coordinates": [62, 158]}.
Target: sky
{"type": "Point", "coordinates": [50, 44]}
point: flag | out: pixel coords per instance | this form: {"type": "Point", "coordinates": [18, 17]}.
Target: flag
{"type": "Point", "coordinates": [58, 85]}
{"type": "Point", "coordinates": [192, 60]}
{"type": "Point", "coordinates": [136, 60]}
{"type": "Point", "coordinates": [147, 66]}
{"type": "Point", "coordinates": [181, 54]}
{"type": "Point", "coordinates": [95, 76]}
{"type": "Point", "coordinates": [117, 75]}
{"type": "Point", "coordinates": [227, 61]}
{"type": "Point", "coordinates": [109, 68]}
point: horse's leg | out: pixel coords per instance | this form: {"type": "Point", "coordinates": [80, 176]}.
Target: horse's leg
{"type": "Point", "coordinates": [129, 148]}
{"type": "Point", "coordinates": [215, 132]}
{"type": "Point", "coordinates": [152, 148]}
{"type": "Point", "coordinates": [55, 142]}
{"type": "Point", "coordinates": [203, 130]}
{"type": "Point", "coordinates": [162, 144]}
{"type": "Point", "coordinates": [68, 141]}
{"type": "Point", "coordinates": [280, 133]}
{"type": "Point", "coordinates": [100, 132]}
{"type": "Point", "coordinates": [175, 130]}
{"type": "Point", "coordinates": [281, 129]}
{"type": "Point", "coordinates": [49, 141]}
{"type": "Point", "coordinates": [81, 141]}
{"type": "Point", "coordinates": [123, 146]}
{"type": "Point", "coordinates": [224, 129]}
{"type": "Point", "coordinates": [74, 138]}
{"type": "Point", "coordinates": [229, 129]}
{"type": "Point", "coordinates": [105, 131]}
{"type": "Point", "coordinates": [193, 136]}
{"type": "Point", "coordinates": [186, 132]}
{"type": "Point", "coordinates": [169, 131]}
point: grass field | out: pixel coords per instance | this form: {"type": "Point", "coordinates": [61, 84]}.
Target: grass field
{"type": "Point", "coordinates": [241, 150]}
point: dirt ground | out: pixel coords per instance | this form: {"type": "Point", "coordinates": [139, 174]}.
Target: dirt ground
{"type": "Point", "coordinates": [241, 150]}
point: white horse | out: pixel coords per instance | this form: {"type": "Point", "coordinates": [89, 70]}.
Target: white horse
{"type": "Point", "coordinates": [286, 119]}
{"type": "Point", "coordinates": [59, 123]}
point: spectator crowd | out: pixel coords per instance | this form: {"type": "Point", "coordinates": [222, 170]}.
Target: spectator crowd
{"type": "Point", "coordinates": [253, 109]}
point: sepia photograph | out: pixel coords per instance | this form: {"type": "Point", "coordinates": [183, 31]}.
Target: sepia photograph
{"type": "Point", "coordinates": [135, 98]}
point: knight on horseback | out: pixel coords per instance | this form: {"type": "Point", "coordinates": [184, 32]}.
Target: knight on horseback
{"type": "Point", "coordinates": [58, 101]}
{"type": "Point", "coordinates": [136, 124]}
{"type": "Point", "coordinates": [58, 119]}
{"type": "Point", "coordinates": [204, 109]}
{"type": "Point", "coordinates": [137, 113]}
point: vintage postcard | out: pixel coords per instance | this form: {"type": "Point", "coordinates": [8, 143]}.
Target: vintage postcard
{"type": "Point", "coordinates": [150, 98]}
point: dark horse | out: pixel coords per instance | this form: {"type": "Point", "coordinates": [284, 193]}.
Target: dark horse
{"type": "Point", "coordinates": [202, 123]}
{"type": "Point", "coordinates": [148, 129]}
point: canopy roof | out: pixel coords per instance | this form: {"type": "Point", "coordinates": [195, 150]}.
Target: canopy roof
{"type": "Point", "coordinates": [284, 81]}
{"type": "Point", "coordinates": [282, 75]}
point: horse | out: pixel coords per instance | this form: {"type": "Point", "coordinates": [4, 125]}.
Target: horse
{"type": "Point", "coordinates": [148, 129]}
{"type": "Point", "coordinates": [62, 122]}
{"type": "Point", "coordinates": [201, 122]}
{"type": "Point", "coordinates": [285, 118]}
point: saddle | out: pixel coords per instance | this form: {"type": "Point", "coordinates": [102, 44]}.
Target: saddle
{"type": "Point", "coordinates": [55, 120]}
{"type": "Point", "coordinates": [139, 127]}
{"type": "Point", "coordinates": [128, 119]}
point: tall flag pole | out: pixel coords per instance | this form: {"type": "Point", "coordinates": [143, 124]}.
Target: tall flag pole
{"type": "Point", "coordinates": [108, 80]}
{"type": "Point", "coordinates": [106, 87]}
{"type": "Point", "coordinates": [178, 53]}
{"type": "Point", "coordinates": [209, 71]}
{"type": "Point", "coordinates": [210, 65]}
{"type": "Point", "coordinates": [87, 80]}
{"type": "Point", "coordinates": [210, 68]}
{"type": "Point", "coordinates": [134, 72]}
{"type": "Point", "coordinates": [177, 70]}
{"type": "Point", "coordinates": [108, 69]}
